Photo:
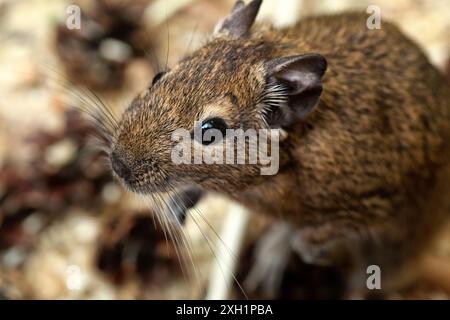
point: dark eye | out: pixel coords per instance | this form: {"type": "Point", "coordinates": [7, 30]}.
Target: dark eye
{"type": "Point", "coordinates": [213, 123]}
{"type": "Point", "coordinates": [158, 77]}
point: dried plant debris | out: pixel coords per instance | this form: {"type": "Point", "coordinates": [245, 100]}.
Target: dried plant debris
{"type": "Point", "coordinates": [12, 285]}
{"type": "Point", "coordinates": [112, 34]}
{"type": "Point", "coordinates": [131, 246]}
{"type": "Point", "coordinates": [64, 172]}
{"type": "Point", "coordinates": [448, 71]}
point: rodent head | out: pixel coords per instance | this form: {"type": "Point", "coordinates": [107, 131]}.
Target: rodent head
{"type": "Point", "coordinates": [234, 82]}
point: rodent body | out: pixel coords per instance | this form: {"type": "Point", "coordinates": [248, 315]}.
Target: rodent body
{"type": "Point", "coordinates": [362, 176]}
{"type": "Point", "coordinates": [368, 164]}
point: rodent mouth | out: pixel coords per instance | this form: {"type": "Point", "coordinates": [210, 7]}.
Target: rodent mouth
{"type": "Point", "coordinates": [146, 184]}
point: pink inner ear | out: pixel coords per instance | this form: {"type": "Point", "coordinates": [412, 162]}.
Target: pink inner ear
{"type": "Point", "coordinates": [303, 75]}
{"type": "Point", "coordinates": [312, 63]}
{"type": "Point", "coordinates": [300, 72]}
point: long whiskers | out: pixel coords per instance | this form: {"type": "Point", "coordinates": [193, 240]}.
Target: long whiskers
{"type": "Point", "coordinates": [175, 235]}
{"type": "Point", "coordinates": [184, 241]}
{"type": "Point", "coordinates": [90, 104]}
{"type": "Point", "coordinates": [106, 128]}
{"type": "Point", "coordinates": [211, 244]}
{"type": "Point", "coordinates": [88, 97]}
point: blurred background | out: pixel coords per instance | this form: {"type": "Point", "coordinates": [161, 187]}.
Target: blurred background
{"type": "Point", "coordinates": [67, 230]}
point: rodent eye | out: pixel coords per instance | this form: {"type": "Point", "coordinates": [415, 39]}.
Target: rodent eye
{"type": "Point", "coordinates": [209, 136]}
{"type": "Point", "coordinates": [158, 77]}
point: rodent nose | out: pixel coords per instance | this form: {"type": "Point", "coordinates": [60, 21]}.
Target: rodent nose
{"type": "Point", "coordinates": [119, 166]}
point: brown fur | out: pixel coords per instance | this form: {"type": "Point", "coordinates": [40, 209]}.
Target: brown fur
{"type": "Point", "coordinates": [363, 175]}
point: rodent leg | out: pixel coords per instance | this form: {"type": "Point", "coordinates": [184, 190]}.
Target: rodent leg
{"type": "Point", "coordinates": [325, 253]}
{"type": "Point", "coordinates": [272, 254]}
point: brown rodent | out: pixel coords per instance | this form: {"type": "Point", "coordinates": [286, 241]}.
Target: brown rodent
{"type": "Point", "coordinates": [363, 164]}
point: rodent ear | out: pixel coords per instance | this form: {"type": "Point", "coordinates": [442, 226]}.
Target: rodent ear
{"type": "Point", "coordinates": [241, 19]}
{"type": "Point", "coordinates": [299, 80]}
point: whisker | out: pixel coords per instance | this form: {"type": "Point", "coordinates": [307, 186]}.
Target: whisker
{"type": "Point", "coordinates": [92, 104]}
{"type": "Point", "coordinates": [168, 40]}
{"type": "Point", "coordinates": [185, 242]}
{"type": "Point", "coordinates": [196, 210]}
{"type": "Point", "coordinates": [229, 252]}
{"type": "Point", "coordinates": [153, 57]}
{"type": "Point", "coordinates": [90, 94]}
{"type": "Point", "coordinates": [168, 230]}
{"type": "Point", "coordinates": [175, 237]}
{"type": "Point", "coordinates": [191, 39]}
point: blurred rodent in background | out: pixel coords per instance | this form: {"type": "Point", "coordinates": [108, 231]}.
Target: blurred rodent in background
{"type": "Point", "coordinates": [364, 120]}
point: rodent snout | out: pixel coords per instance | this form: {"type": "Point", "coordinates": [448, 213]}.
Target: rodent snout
{"type": "Point", "coordinates": [120, 166]}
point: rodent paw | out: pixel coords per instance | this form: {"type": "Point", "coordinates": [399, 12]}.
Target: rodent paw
{"type": "Point", "coordinates": [320, 254]}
